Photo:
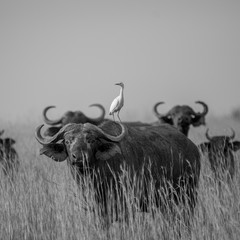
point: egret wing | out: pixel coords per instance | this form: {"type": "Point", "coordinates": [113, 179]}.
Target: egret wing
{"type": "Point", "coordinates": [114, 105]}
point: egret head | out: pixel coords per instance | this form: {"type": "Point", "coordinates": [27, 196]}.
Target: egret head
{"type": "Point", "coordinates": [120, 84]}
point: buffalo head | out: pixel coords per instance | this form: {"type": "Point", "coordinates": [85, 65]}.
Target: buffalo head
{"type": "Point", "coordinates": [220, 152]}
{"type": "Point", "coordinates": [70, 117]}
{"type": "Point", "coordinates": [8, 156]}
{"type": "Point", "coordinates": [182, 116]}
{"type": "Point", "coordinates": [82, 144]}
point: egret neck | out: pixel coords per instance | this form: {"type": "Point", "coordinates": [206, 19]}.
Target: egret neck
{"type": "Point", "coordinates": [121, 94]}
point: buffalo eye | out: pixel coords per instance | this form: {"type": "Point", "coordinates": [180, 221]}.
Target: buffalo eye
{"type": "Point", "coordinates": [67, 141]}
{"type": "Point", "coordinates": [168, 119]}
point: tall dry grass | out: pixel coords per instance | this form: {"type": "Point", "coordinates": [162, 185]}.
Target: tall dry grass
{"type": "Point", "coordinates": [43, 201]}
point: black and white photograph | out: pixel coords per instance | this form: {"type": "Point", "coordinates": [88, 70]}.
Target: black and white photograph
{"type": "Point", "coordinates": [120, 120]}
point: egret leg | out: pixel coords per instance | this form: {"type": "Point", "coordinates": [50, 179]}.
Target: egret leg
{"type": "Point", "coordinates": [113, 117]}
{"type": "Point", "coordinates": [118, 116]}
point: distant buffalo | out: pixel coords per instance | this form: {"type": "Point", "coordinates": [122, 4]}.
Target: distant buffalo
{"type": "Point", "coordinates": [70, 117]}
{"type": "Point", "coordinates": [9, 161]}
{"type": "Point", "coordinates": [149, 153]}
{"type": "Point", "coordinates": [182, 116]}
{"type": "Point", "coordinates": [220, 152]}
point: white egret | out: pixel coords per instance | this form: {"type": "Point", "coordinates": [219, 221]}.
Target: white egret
{"type": "Point", "coordinates": [117, 103]}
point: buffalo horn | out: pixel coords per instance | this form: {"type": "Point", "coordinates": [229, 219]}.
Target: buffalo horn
{"type": "Point", "coordinates": [205, 108]}
{"type": "Point", "coordinates": [233, 134]}
{"type": "Point", "coordinates": [59, 135]}
{"type": "Point", "coordinates": [207, 135]}
{"type": "Point", "coordinates": [105, 135]}
{"type": "Point", "coordinates": [47, 120]}
{"type": "Point", "coordinates": [101, 117]}
{"type": "Point", "coordinates": [1, 132]}
{"type": "Point", "coordinates": [159, 115]}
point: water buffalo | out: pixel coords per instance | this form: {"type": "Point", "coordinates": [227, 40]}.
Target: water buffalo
{"type": "Point", "coordinates": [70, 117]}
{"type": "Point", "coordinates": [148, 152]}
{"type": "Point", "coordinates": [9, 160]}
{"type": "Point", "coordinates": [220, 152]}
{"type": "Point", "coordinates": [182, 116]}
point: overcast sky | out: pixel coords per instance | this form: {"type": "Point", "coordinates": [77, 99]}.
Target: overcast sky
{"type": "Point", "coordinates": [71, 53]}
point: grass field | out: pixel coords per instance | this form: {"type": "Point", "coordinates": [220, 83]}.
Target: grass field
{"type": "Point", "coordinates": [43, 202]}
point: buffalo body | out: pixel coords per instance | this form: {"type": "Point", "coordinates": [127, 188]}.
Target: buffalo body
{"type": "Point", "coordinates": [149, 153]}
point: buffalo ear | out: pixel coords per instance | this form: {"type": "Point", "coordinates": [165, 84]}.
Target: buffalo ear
{"type": "Point", "coordinates": [55, 151]}
{"type": "Point", "coordinates": [204, 146]}
{"type": "Point", "coordinates": [107, 151]}
{"type": "Point", "coordinates": [198, 121]}
{"type": "Point", "coordinates": [235, 145]}
{"type": "Point", "coordinates": [166, 119]}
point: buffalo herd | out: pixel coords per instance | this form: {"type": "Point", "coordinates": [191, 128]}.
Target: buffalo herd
{"type": "Point", "coordinates": [150, 152]}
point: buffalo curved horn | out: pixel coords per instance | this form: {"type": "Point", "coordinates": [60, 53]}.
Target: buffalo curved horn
{"type": "Point", "coordinates": [233, 134]}
{"type": "Point", "coordinates": [47, 120]}
{"type": "Point", "coordinates": [230, 137]}
{"type": "Point", "coordinates": [101, 117]}
{"type": "Point", "coordinates": [106, 135]}
{"type": "Point", "coordinates": [59, 135]}
{"type": "Point", "coordinates": [205, 108]}
{"type": "Point", "coordinates": [155, 111]}
{"type": "Point", "coordinates": [207, 135]}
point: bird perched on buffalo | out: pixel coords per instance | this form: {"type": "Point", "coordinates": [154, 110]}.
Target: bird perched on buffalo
{"type": "Point", "coordinates": [117, 103]}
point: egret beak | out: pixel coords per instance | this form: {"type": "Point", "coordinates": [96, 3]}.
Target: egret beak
{"type": "Point", "coordinates": [117, 83]}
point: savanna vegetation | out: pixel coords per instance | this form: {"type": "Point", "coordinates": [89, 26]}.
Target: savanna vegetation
{"type": "Point", "coordinates": [44, 202]}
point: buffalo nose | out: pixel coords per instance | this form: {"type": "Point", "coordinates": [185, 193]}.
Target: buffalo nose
{"type": "Point", "coordinates": [183, 120]}
{"type": "Point", "coordinates": [77, 156]}
{"type": "Point", "coordinates": [180, 120]}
